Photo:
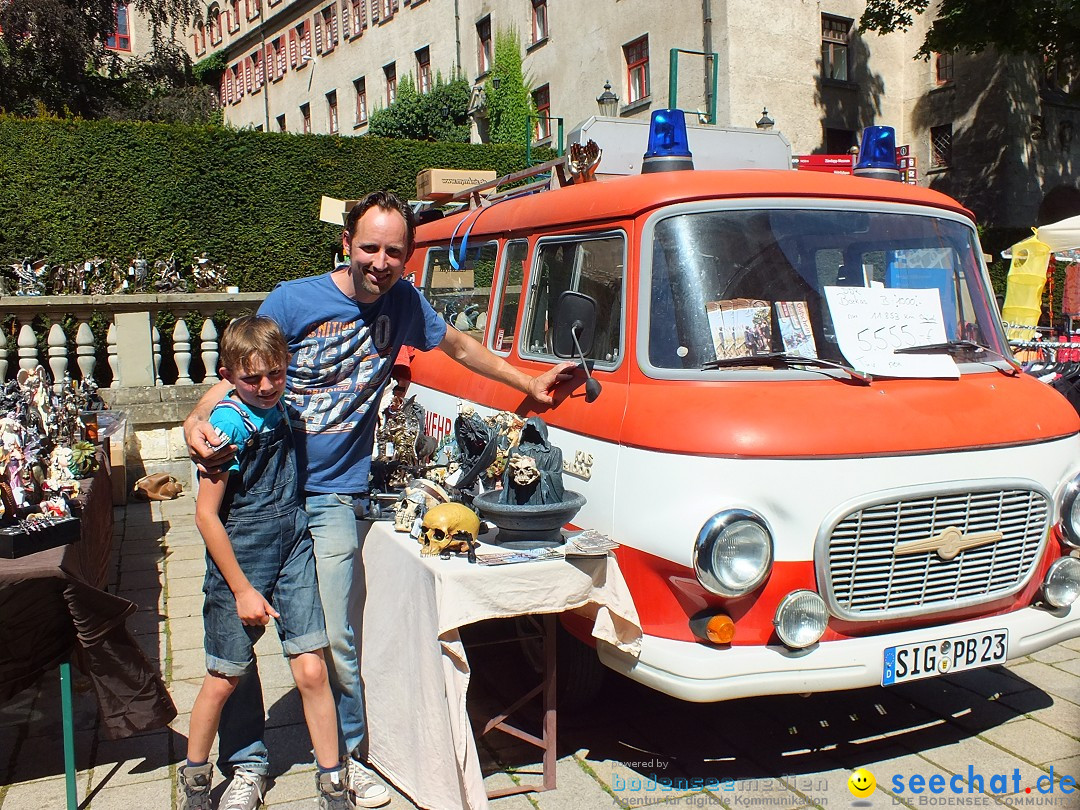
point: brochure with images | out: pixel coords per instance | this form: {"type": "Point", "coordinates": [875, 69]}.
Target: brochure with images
{"type": "Point", "coordinates": [793, 318]}
{"type": "Point", "coordinates": [518, 556]}
{"type": "Point", "coordinates": [740, 327]}
{"type": "Point", "coordinates": [589, 543]}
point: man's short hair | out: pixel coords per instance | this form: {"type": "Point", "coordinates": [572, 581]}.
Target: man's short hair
{"type": "Point", "coordinates": [252, 337]}
{"type": "Point", "coordinates": [387, 201]}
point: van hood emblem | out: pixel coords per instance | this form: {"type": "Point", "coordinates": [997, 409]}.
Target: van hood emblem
{"type": "Point", "coordinates": [948, 543]}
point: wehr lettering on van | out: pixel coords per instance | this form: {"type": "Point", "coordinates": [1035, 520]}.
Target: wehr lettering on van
{"type": "Point", "coordinates": [580, 466]}
{"type": "Point", "coordinates": [437, 425]}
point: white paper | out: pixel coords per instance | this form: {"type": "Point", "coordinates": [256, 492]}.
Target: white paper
{"type": "Point", "coordinates": [870, 323]}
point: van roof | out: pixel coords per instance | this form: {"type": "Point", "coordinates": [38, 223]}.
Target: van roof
{"type": "Point", "coordinates": [623, 197]}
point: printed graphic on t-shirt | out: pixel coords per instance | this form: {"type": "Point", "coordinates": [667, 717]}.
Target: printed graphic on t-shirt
{"type": "Point", "coordinates": [337, 371]}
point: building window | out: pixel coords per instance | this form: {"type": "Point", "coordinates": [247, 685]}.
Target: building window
{"type": "Point", "coordinates": [199, 38]}
{"type": "Point", "coordinates": [637, 69]}
{"type": "Point", "coordinates": [234, 16]}
{"type": "Point", "coordinates": [329, 26]}
{"type": "Point", "coordinates": [237, 82]}
{"type": "Point", "coordinates": [839, 141]}
{"type": "Point", "coordinates": [539, 20]}
{"type": "Point", "coordinates": [943, 68]}
{"type": "Point", "coordinates": [941, 146]}
{"type": "Point", "coordinates": [281, 119]}
{"type": "Point", "coordinates": [120, 39]}
{"type": "Point", "coordinates": [542, 100]}
{"type": "Point", "coordinates": [275, 58]}
{"type": "Point", "coordinates": [423, 70]}
{"type": "Point", "coordinates": [484, 53]}
{"type": "Point", "coordinates": [332, 111]}
{"type": "Point", "coordinates": [360, 86]}
{"type": "Point", "coordinates": [305, 116]}
{"type": "Point", "coordinates": [252, 8]}
{"type": "Point", "coordinates": [835, 32]}
{"type": "Point", "coordinates": [390, 71]}
{"type": "Point", "coordinates": [357, 23]}
{"type": "Point", "coordinates": [387, 8]}
{"type": "Point", "coordinates": [300, 44]}
{"type": "Point", "coordinates": [214, 18]}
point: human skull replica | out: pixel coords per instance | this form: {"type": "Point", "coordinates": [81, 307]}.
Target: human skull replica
{"type": "Point", "coordinates": [524, 471]}
{"type": "Point", "coordinates": [448, 528]}
{"type": "Point", "coordinates": [419, 496]}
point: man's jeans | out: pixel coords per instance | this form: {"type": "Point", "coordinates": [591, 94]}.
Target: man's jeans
{"type": "Point", "coordinates": [336, 532]}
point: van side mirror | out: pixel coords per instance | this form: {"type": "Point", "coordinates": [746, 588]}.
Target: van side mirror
{"type": "Point", "coordinates": [575, 325]}
{"type": "Point", "coordinates": [575, 328]}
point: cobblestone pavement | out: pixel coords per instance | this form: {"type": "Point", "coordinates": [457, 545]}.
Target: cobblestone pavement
{"type": "Point", "coordinates": [1010, 735]}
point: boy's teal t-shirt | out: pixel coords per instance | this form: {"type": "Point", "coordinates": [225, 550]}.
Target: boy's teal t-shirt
{"type": "Point", "coordinates": [229, 423]}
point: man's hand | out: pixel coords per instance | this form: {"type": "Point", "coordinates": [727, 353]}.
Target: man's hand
{"type": "Point", "coordinates": [205, 448]}
{"type": "Point", "coordinates": [543, 385]}
{"type": "Point", "coordinates": [253, 609]}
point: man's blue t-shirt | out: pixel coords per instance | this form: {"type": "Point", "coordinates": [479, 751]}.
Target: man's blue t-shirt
{"type": "Point", "coordinates": [342, 353]}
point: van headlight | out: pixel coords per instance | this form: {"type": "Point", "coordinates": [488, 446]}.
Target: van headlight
{"type": "Point", "coordinates": [801, 619]}
{"type": "Point", "coordinates": [1070, 513]}
{"type": "Point", "coordinates": [733, 552]}
{"type": "Point", "coordinates": [1062, 584]}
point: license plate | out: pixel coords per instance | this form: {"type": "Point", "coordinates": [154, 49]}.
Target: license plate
{"type": "Point", "coordinates": [911, 662]}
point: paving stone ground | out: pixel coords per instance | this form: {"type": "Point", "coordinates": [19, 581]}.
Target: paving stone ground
{"type": "Point", "coordinates": [993, 733]}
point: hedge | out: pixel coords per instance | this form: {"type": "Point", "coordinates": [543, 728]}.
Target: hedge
{"type": "Point", "coordinates": [72, 190]}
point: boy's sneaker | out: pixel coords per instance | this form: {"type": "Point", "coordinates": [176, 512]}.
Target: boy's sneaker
{"type": "Point", "coordinates": [365, 787]}
{"type": "Point", "coordinates": [333, 790]}
{"type": "Point", "coordinates": [193, 786]}
{"type": "Point", "coordinates": [245, 791]}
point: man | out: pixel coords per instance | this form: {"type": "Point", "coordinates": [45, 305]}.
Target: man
{"type": "Point", "coordinates": [344, 329]}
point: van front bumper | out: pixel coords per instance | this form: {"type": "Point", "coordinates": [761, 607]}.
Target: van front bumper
{"type": "Point", "coordinates": [704, 674]}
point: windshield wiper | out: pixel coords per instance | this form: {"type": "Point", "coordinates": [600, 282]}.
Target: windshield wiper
{"type": "Point", "coordinates": [785, 359]}
{"type": "Point", "coordinates": [954, 347]}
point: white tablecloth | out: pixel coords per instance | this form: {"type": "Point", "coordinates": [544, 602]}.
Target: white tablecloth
{"type": "Point", "coordinates": [413, 664]}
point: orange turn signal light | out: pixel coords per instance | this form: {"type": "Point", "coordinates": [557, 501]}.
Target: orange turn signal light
{"type": "Point", "coordinates": [717, 629]}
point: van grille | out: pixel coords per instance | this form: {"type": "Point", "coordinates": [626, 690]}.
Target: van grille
{"type": "Point", "coordinates": [866, 579]}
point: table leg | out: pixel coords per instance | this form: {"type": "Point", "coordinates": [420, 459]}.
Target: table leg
{"type": "Point", "coordinates": [69, 735]}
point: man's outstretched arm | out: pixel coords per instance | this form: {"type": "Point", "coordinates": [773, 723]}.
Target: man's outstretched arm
{"type": "Point", "coordinates": [475, 357]}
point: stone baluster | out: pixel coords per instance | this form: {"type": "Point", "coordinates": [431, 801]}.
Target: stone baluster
{"type": "Point", "coordinates": [114, 357]}
{"type": "Point", "coordinates": [182, 352]}
{"type": "Point", "coordinates": [208, 337]}
{"type": "Point", "coordinates": [28, 352]}
{"type": "Point", "coordinates": [58, 359]}
{"type": "Point", "coordinates": [85, 355]}
{"type": "Point", "coordinates": [3, 355]}
{"type": "Point", "coordinates": [155, 336]}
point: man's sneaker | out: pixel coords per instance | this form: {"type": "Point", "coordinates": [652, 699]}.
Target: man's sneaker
{"type": "Point", "coordinates": [245, 791]}
{"type": "Point", "coordinates": [334, 790]}
{"type": "Point", "coordinates": [365, 787]}
{"type": "Point", "coordinates": [193, 786]}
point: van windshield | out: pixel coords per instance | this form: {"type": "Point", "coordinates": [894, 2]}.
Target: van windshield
{"type": "Point", "coordinates": [738, 283]}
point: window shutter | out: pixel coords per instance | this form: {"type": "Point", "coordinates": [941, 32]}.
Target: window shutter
{"type": "Point", "coordinates": [375, 11]}
{"type": "Point", "coordinates": [318, 33]}
{"type": "Point", "coordinates": [292, 47]}
{"type": "Point", "coordinates": [333, 26]}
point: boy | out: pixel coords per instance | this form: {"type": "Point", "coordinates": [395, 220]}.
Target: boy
{"type": "Point", "coordinates": [259, 564]}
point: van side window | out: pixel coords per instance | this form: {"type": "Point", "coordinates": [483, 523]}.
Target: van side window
{"type": "Point", "coordinates": [513, 271]}
{"type": "Point", "coordinates": [593, 266]}
{"type": "Point", "coordinates": [460, 294]}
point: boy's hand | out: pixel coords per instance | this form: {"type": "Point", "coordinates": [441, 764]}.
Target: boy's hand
{"type": "Point", "coordinates": [253, 609]}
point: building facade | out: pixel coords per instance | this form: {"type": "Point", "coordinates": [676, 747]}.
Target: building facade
{"type": "Point", "coordinates": [983, 128]}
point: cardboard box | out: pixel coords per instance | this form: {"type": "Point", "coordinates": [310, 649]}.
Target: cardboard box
{"type": "Point", "coordinates": [334, 211]}
{"type": "Point", "coordinates": [439, 184]}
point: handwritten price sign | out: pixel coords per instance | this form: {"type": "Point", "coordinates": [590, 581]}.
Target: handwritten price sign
{"type": "Point", "coordinates": [872, 322]}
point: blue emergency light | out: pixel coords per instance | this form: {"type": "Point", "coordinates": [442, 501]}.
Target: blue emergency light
{"type": "Point", "coordinates": [877, 154]}
{"type": "Point", "coordinates": [669, 148]}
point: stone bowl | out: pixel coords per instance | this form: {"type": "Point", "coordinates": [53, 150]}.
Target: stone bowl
{"type": "Point", "coordinates": [528, 526]}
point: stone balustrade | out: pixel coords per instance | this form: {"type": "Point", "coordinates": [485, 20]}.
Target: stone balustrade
{"type": "Point", "coordinates": [135, 352]}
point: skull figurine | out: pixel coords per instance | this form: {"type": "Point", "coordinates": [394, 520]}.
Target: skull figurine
{"type": "Point", "coordinates": [523, 470]}
{"type": "Point", "coordinates": [407, 510]}
{"type": "Point", "coordinates": [449, 528]}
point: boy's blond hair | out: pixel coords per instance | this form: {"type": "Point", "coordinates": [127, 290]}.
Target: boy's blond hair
{"type": "Point", "coordinates": [251, 337]}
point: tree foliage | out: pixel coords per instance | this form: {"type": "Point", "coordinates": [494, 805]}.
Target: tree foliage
{"type": "Point", "coordinates": [53, 56]}
{"type": "Point", "coordinates": [441, 114]}
{"type": "Point", "coordinates": [1046, 28]}
{"type": "Point", "coordinates": [510, 106]}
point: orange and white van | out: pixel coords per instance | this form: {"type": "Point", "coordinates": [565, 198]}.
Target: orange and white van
{"type": "Point", "coordinates": [788, 522]}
